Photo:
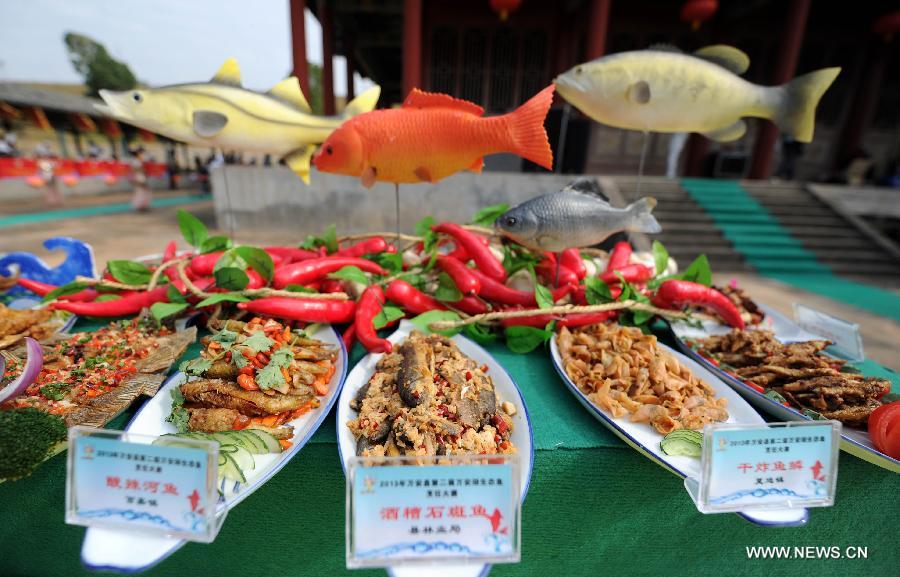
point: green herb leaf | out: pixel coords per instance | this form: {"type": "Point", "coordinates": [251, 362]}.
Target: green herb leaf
{"type": "Point", "coordinates": [193, 231]}
{"type": "Point", "coordinates": [270, 377]}
{"type": "Point", "coordinates": [596, 291]}
{"type": "Point", "coordinates": [388, 314]}
{"type": "Point", "coordinates": [258, 342]}
{"type": "Point", "coordinates": [222, 298]}
{"type": "Point", "coordinates": [229, 278]}
{"type": "Point", "coordinates": [328, 240]}
{"type": "Point", "coordinates": [773, 394]}
{"type": "Point", "coordinates": [129, 271]}
{"type": "Point", "coordinates": [521, 339]}
{"type": "Point", "coordinates": [224, 337]}
{"type": "Point", "coordinates": [230, 259]}
{"type": "Point", "coordinates": [239, 360]}
{"type": "Point", "coordinates": [64, 290]}
{"type": "Point", "coordinates": [447, 290]}
{"type": "Point", "coordinates": [215, 244]}
{"type": "Point", "coordinates": [429, 237]}
{"type": "Point", "coordinates": [174, 295]}
{"type": "Point", "coordinates": [296, 288]}
{"type": "Point", "coordinates": [423, 320]}
{"type": "Point", "coordinates": [282, 357]}
{"type": "Point", "coordinates": [195, 367]}
{"type": "Point", "coordinates": [516, 258]}
{"type": "Point", "coordinates": [813, 415]}
{"type": "Point", "coordinates": [390, 261]}
{"type": "Point", "coordinates": [660, 256]}
{"type": "Point", "coordinates": [159, 311]}
{"type": "Point", "coordinates": [107, 297]}
{"type": "Point", "coordinates": [258, 259]}
{"type": "Point", "coordinates": [352, 274]}
{"type": "Point", "coordinates": [179, 415]}
{"type": "Point", "coordinates": [543, 296]}
{"type": "Point", "coordinates": [480, 334]}
{"type": "Point", "coordinates": [487, 215]}
{"type": "Point", "coordinates": [55, 391]}
{"type": "Point", "coordinates": [698, 271]}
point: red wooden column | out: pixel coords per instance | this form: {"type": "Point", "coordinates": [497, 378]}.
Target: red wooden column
{"type": "Point", "coordinates": [412, 45]}
{"type": "Point", "coordinates": [298, 43]}
{"type": "Point", "coordinates": [785, 67]}
{"type": "Point", "coordinates": [598, 24]}
{"type": "Point", "coordinates": [348, 53]}
{"type": "Point", "coordinates": [327, 22]}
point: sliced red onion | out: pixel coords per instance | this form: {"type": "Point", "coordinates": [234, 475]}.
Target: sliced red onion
{"type": "Point", "coordinates": [33, 365]}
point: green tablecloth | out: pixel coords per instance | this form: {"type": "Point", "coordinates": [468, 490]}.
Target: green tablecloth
{"type": "Point", "coordinates": [595, 507]}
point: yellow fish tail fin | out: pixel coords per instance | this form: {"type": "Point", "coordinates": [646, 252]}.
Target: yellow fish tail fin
{"type": "Point", "coordinates": [298, 161]}
{"type": "Point", "coordinates": [797, 114]}
{"type": "Point", "coordinates": [365, 102]}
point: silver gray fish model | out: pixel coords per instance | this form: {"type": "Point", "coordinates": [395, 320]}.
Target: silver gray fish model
{"type": "Point", "coordinates": [570, 218]}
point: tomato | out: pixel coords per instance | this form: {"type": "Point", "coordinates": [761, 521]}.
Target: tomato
{"type": "Point", "coordinates": [891, 440]}
{"type": "Point", "coordinates": [879, 422]}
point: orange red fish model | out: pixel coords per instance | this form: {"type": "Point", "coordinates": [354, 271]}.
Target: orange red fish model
{"type": "Point", "coordinates": [433, 136]}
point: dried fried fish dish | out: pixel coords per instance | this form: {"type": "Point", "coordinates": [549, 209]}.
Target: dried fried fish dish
{"type": "Point", "coordinates": [428, 398]}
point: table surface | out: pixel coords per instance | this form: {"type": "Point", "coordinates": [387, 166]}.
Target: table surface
{"type": "Point", "coordinates": [595, 505]}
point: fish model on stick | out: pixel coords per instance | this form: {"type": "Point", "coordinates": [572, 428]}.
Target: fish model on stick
{"type": "Point", "coordinates": [574, 217]}
{"type": "Point", "coordinates": [665, 90]}
{"type": "Point", "coordinates": [222, 114]}
{"type": "Point", "coordinates": [433, 136]}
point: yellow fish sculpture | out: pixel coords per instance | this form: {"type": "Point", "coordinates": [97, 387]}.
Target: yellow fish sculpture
{"type": "Point", "coordinates": [665, 90]}
{"type": "Point", "coordinates": [223, 114]}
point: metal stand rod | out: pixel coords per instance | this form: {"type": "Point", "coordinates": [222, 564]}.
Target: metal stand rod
{"type": "Point", "coordinates": [637, 185]}
{"type": "Point", "coordinates": [397, 212]}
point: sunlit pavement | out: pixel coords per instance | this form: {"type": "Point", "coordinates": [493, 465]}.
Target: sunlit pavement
{"type": "Point", "coordinates": [128, 235]}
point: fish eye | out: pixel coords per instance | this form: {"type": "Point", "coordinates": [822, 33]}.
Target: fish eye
{"type": "Point", "coordinates": [137, 97]}
{"type": "Point", "coordinates": [578, 70]}
{"type": "Point", "coordinates": [511, 221]}
{"type": "Point", "coordinates": [329, 150]}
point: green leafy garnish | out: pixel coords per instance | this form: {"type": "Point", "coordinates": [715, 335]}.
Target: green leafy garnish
{"type": "Point", "coordinates": [429, 237]}
{"type": "Point", "coordinates": [270, 377]}
{"type": "Point", "coordinates": [388, 314]}
{"type": "Point", "coordinates": [352, 274]}
{"type": "Point", "coordinates": [258, 259]}
{"type": "Point", "coordinates": [297, 288]}
{"type": "Point", "coordinates": [224, 336]}
{"type": "Point", "coordinates": [56, 391]}
{"type": "Point", "coordinates": [480, 334]}
{"type": "Point", "coordinates": [773, 394]}
{"type": "Point", "coordinates": [159, 311]}
{"type": "Point", "coordinates": [174, 295]}
{"type": "Point", "coordinates": [215, 244]}
{"type": "Point", "coordinates": [258, 342]}
{"type": "Point", "coordinates": [193, 231]}
{"type": "Point", "coordinates": [222, 297]}
{"type": "Point", "coordinates": [230, 259]}
{"type": "Point", "coordinates": [179, 415]}
{"type": "Point", "coordinates": [107, 297]}
{"type": "Point", "coordinates": [282, 357]}
{"type": "Point", "coordinates": [328, 240]}
{"type": "Point", "coordinates": [522, 339]}
{"type": "Point", "coordinates": [447, 290]}
{"type": "Point", "coordinates": [543, 296]}
{"type": "Point", "coordinates": [660, 256]}
{"type": "Point", "coordinates": [423, 320]}
{"type": "Point", "coordinates": [64, 290]}
{"type": "Point", "coordinates": [597, 291]}
{"type": "Point", "coordinates": [230, 278]}
{"type": "Point", "coordinates": [129, 271]}
{"type": "Point", "coordinates": [487, 215]}
{"type": "Point", "coordinates": [195, 367]}
{"type": "Point", "coordinates": [516, 258]}
{"type": "Point", "coordinates": [392, 262]}
{"type": "Point", "coordinates": [698, 271]}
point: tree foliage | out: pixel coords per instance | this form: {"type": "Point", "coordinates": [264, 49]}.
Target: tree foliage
{"type": "Point", "coordinates": [99, 70]}
{"type": "Point", "coordinates": [316, 100]}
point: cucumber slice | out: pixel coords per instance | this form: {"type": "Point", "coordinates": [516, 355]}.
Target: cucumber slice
{"type": "Point", "coordinates": [682, 442]}
{"type": "Point", "coordinates": [241, 456]}
{"type": "Point", "coordinates": [251, 442]}
{"type": "Point", "coordinates": [271, 443]}
{"type": "Point", "coordinates": [230, 470]}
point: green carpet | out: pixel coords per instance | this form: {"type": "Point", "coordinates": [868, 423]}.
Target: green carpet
{"type": "Point", "coordinates": [100, 209]}
{"type": "Point", "coordinates": [774, 252]}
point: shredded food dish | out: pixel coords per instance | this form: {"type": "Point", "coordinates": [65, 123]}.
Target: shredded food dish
{"type": "Point", "coordinates": [623, 371]}
{"type": "Point", "coordinates": [15, 325]}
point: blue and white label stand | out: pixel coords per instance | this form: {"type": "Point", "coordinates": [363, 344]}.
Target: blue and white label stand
{"type": "Point", "coordinates": [121, 480]}
{"type": "Point", "coordinates": [429, 510]}
{"type": "Point", "coordinates": [773, 466]}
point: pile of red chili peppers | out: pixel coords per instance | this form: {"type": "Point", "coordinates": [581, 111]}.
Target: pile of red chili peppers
{"type": "Point", "coordinates": [467, 258]}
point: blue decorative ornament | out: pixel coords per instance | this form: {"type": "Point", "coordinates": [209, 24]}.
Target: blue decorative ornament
{"type": "Point", "coordinates": [79, 262]}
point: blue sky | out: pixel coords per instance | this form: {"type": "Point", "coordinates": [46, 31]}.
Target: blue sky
{"type": "Point", "coordinates": [163, 41]}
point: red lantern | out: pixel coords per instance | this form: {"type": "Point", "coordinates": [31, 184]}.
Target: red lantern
{"type": "Point", "coordinates": [698, 11]}
{"type": "Point", "coordinates": [887, 25]}
{"type": "Point", "coordinates": [505, 7]}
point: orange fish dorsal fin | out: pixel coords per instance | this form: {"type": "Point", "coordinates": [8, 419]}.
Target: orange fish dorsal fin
{"type": "Point", "coordinates": [420, 99]}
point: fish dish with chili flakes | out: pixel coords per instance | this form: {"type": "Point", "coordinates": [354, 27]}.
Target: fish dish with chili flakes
{"type": "Point", "coordinates": [88, 378]}
{"type": "Point", "coordinates": [258, 374]}
{"type": "Point", "coordinates": [427, 398]}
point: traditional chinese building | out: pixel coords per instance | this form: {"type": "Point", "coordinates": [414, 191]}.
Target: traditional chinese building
{"type": "Point", "coordinates": [500, 52]}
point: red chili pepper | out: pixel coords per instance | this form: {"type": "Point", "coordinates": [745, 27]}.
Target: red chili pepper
{"type": "Point", "coordinates": [619, 257]}
{"type": "Point", "coordinates": [631, 273]}
{"type": "Point", "coordinates": [311, 270]}
{"type": "Point", "coordinates": [471, 305]}
{"type": "Point", "coordinates": [410, 298]}
{"type": "Point", "coordinates": [43, 289]}
{"type": "Point", "coordinates": [372, 245]}
{"type": "Point", "coordinates": [306, 310]}
{"type": "Point", "coordinates": [370, 304]}
{"type": "Point", "coordinates": [349, 336]}
{"type": "Point", "coordinates": [673, 294]}
{"type": "Point", "coordinates": [127, 305]}
{"type": "Point", "coordinates": [331, 285]}
{"type": "Point", "coordinates": [203, 264]}
{"type": "Point", "coordinates": [500, 293]}
{"type": "Point", "coordinates": [289, 254]}
{"type": "Point", "coordinates": [256, 281]}
{"type": "Point", "coordinates": [546, 269]}
{"type": "Point", "coordinates": [462, 275]}
{"type": "Point", "coordinates": [571, 259]}
{"type": "Point", "coordinates": [462, 254]}
{"type": "Point", "coordinates": [484, 259]}
{"type": "Point", "coordinates": [171, 272]}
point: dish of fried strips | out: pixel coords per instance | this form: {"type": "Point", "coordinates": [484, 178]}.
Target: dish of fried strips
{"type": "Point", "coordinates": [626, 373]}
{"type": "Point", "coordinates": [799, 372]}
